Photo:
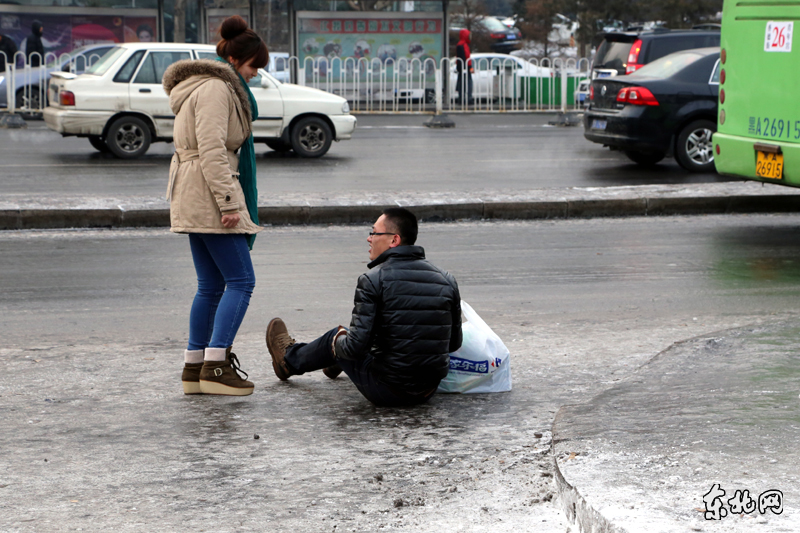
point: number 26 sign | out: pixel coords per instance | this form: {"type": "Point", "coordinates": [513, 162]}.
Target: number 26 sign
{"type": "Point", "coordinates": [778, 37]}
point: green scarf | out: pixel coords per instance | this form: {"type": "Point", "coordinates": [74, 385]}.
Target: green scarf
{"type": "Point", "coordinates": [247, 162]}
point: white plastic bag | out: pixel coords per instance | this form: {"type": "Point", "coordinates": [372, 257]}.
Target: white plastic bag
{"type": "Point", "coordinates": [482, 364]}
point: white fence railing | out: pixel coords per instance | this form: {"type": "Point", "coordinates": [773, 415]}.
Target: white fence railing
{"type": "Point", "coordinates": [496, 84]}
{"type": "Point", "coordinates": [23, 86]}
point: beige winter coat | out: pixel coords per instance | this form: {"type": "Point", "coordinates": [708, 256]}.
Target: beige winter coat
{"type": "Point", "coordinates": [212, 120]}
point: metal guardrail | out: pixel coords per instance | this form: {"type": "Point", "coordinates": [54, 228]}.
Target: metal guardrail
{"type": "Point", "coordinates": [403, 85]}
{"type": "Point", "coordinates": [25, 86]}
{"type": "Point", "coordinates": [420, 86]}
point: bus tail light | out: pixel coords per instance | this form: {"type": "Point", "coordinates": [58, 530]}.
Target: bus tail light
{"type": "Point", "coordinates": [66, 98]}
{"type": "Point", "coordinates": [636, 96]}
{"type": "Point", "coordinates": [591, 92]}
{"type": "Point", "coordinates": [633, 57]}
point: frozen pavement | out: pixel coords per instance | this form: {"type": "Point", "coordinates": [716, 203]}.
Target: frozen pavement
{"type": "Point", "coordinates": [704, 437]}
{"type": "Point", "coordinates": [98, 436]}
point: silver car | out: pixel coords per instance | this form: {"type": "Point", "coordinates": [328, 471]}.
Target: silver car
{"type": "Point", "coordinates": [30, 84]}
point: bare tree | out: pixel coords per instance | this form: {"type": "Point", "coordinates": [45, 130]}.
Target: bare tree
{"type": "Point", "coordinates": [538, 20]}
{"type": "Point", "coordinates": [179, 19]}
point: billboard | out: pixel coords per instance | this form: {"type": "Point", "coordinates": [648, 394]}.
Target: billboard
{"type": "Point", "coordinates": [64, 33]}
{"type": "Point", "coordinates": [389, 38]}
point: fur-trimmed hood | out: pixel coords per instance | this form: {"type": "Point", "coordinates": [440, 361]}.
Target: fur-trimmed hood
{"type": "Point", "coordinates": [183, 77]}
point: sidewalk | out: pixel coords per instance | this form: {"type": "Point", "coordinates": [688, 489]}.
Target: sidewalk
{"type": "Point", "coordinates": [715, 412]}
{"type": "Point", "coordinates": [80, 211]}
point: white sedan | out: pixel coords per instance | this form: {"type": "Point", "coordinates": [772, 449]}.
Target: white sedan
{"type": "Point", "coordinates": [499, 76]}
{"type": "Point", "coordinates": [120, 105]}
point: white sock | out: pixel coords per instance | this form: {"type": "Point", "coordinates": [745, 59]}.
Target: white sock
{"type": "Point", "coordinates": [216, 354]}
{"type": "Point", "coordinates": [193, 356]}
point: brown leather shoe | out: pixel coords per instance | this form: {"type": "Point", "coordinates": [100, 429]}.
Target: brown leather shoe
{"type": "Point", "coordinates": [191, 378]}
{"type": "Point", "coordinates": [278, 340]}
{"type": "Point", "coordinates": [222, 377]}
{"type": "Point", "coordinates": [332, 371]}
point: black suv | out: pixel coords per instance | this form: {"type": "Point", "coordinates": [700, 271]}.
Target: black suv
{"type": "Point", "coordinates": [621, 53]}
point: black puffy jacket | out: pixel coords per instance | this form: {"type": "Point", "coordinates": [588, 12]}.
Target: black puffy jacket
{"type": "Point", "coordinates": [407, 315]}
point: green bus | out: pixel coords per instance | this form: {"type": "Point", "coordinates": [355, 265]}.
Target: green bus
{"type": "Point", "coordinates": [758, 126]}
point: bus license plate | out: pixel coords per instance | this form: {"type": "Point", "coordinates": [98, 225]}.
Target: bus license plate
{"type": "Point", "coordinates": [598, 124]}
{"type": "Point", "coordinates": [769, 165]}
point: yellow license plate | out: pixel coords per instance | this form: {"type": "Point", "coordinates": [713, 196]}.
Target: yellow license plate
{"type": "Point", "coordinates": [769, 165]}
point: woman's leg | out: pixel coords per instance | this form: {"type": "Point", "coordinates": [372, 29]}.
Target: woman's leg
{"type": "Point", "coordinates": [232, 258]}
{"type": "Point", "coordinates": [210, 287]}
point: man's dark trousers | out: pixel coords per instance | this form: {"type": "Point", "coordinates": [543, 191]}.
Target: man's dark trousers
{"type": "Point", "coordinates": [318, 354]}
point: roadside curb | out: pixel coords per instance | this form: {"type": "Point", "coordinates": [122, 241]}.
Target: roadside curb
{"type": "Point", "coordinates": [18, 219]}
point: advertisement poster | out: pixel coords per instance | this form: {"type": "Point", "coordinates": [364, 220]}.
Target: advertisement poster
{"type": "Point", "coordinates": [64, 33]}
{"type": "Point", "coordinates": [392, 40]}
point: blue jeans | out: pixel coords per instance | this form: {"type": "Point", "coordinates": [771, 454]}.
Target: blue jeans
{"type": "Point", "coordinates": [225, 281]}
{"type": "Point", "coordinates": [318, 354]}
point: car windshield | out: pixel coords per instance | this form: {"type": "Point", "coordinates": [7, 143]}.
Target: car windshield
{"type": "Point", "coordinates": [105, 62]}
{"type": "Point", "coordinates": [613, 54]}
{"type": "Point", "coordinates": [492, 24]}
{"type": "Point", "coordinates": [668, 65]}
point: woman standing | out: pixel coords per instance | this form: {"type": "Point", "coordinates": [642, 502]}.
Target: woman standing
{"type": "Point", "coordinates": [213, 198]}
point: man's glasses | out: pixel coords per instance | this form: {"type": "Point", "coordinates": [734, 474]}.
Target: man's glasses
{"type": "Point", "coordinates": [373, 233]}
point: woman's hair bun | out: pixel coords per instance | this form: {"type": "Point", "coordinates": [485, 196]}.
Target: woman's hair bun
{"type": "Point", "coordinates": [232, 27]}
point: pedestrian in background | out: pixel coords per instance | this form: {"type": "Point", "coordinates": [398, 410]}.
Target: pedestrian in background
{"type": "Point", "coordinates": [464, 67]}
{"type": "Point", "coordinates": [34, 49]}
{"type": "Point", "coordinates": [213, 198]}
{"type": "Point", "coordinates": [9, 48]}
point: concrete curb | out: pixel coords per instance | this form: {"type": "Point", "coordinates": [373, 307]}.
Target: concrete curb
{"type": "Point", "coordinates": [11, 219]}
{"type": "Point", "coordinates": [575, 506]}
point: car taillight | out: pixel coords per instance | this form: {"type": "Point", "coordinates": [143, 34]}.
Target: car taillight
{"type": "Point", "coordinates": [66, 98]}
{"type": "Point", "coordinates": [636, 96]}
{"type": "Point", "coordinates": [633, 57]}
{"type": "Point", "coordinates": [497, 35]}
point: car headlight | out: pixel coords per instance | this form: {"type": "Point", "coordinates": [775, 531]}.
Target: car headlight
{"type": "Point", "coordinates": [345, 108]}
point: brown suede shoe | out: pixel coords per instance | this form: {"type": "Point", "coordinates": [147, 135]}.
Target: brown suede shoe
{"type": "Point", "coordinates": [332, 371]}
{"type": "Point", "coordinates": [191, 378]}
{"type": "Point", "coordinates": [278, 340]}
{"type": "Point", "coordinates": [222, 377]}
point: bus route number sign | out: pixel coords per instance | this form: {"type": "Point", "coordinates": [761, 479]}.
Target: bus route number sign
{"type": "Point", "coordinates": [778, 37]}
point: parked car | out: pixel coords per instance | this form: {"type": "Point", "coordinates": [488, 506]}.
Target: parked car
{"type": "Point", "coordinates": [582, 92]}
{"type": "Point", "coordinates": [503, 39]}
{"type": "Point", "coordinates": [120, 105]}
{"type": "Point", "coordinates": [622, 53]}
{"type": "Point", "coordinates": [499, 75]}
{"type": "Point", "coordinates": [668, 107]}
{"type": "Point", "coordinates": [30, 84]}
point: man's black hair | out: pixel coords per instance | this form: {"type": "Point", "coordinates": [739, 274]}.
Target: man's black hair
{"type": "Point", "coordinates": [404, 222]}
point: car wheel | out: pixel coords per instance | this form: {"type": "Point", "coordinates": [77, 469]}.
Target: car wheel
{"type": "Point", "coordinates": [694, 149]}
{"type": "Point", "coordinates": [311, 137]}
{"type": "Point", "coordinates": [98, 143]}
{"type": "Point", "coordinates": [430, 96]}
{"type": "Point", "coordinates": [645, 159]}
{"type": "Point", "coordinates": [278, 145]}
{"type": "Point", "coordinates": [128, 137]}
{"type": "Point", "coordinates": [29, 99]}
